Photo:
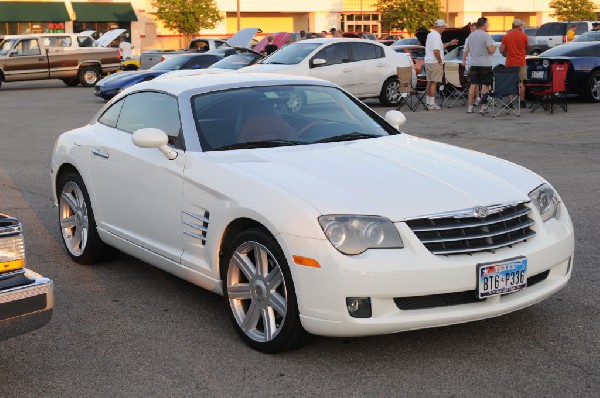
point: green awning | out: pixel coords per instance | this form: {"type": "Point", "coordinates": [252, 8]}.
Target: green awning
{"type": "Point", "coordinates": [33, 11]}
{"type": "Point", "coordinates": [103, 12]}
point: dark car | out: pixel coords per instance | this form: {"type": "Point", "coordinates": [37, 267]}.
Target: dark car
{"type": "Point", "coordinates": [115, 83]}
{"type": "Point", "coordinates": [26, 298]}
{"type": "Point", "coordinates": [237, 61]}
{"type": "Point", "coordinates": [588, 36]}
{"type": "Point", "coordinates": [583, 76]}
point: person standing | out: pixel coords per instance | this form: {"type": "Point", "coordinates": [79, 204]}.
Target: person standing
{"type": "Point", "coordinates": [466, 61]}
{"type": "Point", "coordinates": [481, 47]}
{"type": "Point", "coordinates": [125, 49]}
{"type": "Point", "coordinates": [595, 27]}
{"type": "Point", "coordinates": [571, 33]}
{"type": "Point", "coordinates": [514, 44]}
{"type": "Point", "coordinates": [271, 47]}
{"type": "Point", "coordinates": [434, 64]}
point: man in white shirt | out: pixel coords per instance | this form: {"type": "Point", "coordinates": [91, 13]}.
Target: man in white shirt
{"type": "Point", "coordinates": [434, 64]}
{"type": "Point", "coordinates": [125, 48]}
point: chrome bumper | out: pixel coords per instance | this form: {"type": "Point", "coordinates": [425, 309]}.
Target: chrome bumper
{"type": "Point", "coordinates": [26, 308]}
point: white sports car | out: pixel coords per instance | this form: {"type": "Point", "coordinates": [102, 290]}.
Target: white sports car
{"type": "Point", "coordinates": [324, 219]}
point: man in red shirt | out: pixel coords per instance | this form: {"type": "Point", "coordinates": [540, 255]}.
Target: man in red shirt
{"type": "Point", "coordinates": [514, 45]}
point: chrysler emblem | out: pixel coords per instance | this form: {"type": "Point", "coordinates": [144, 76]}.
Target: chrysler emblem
{"type": "Point", "coordinates": [481, 212]}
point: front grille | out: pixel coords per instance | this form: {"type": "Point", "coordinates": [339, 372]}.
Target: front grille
{"type": "Point", "coordinates": [464, 233]}
{"type": "Point", "coordinates": [450, 299]}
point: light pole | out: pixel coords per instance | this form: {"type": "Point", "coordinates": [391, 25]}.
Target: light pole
{"type": "Point", "coordinates": [239, 27]}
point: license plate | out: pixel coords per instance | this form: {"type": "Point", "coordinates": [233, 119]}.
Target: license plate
{"type": "Point", "coordinates": [501, 277]}
{"type": "Point", "coordinates": [537, 74]}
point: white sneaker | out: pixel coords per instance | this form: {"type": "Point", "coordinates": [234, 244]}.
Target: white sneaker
{"type": "Point", "coordinates": [433, 107]}
{"type": "Point", "coordinates": [477, 99]}
{"type": "Point", "coordinates": [484, 109]}
{"type": "Point", "coordinates": [469, 109]}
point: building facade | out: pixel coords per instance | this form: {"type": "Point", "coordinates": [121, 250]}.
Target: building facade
{"type": "Point", "coordinates": [145, 32]}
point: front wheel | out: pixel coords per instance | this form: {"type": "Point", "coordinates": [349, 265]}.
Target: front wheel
{"type": "Point", "coordinates": [390, 92]}
{"type": "Point", "coordinates": [88, 76]}
{"type": "Point", "coordinates": [592, 93]}
{"type": "Point", "coordinates": [77, 223]}
{"type": "Point", "coordinates": [259, 290]}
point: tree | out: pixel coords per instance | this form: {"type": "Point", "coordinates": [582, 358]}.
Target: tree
{"type": "Point", "coordinates": [409, 15]}
{"type": "Point", "coordinates": [573, 10]}
{"type": "Point", "coordinates": [187, 17]}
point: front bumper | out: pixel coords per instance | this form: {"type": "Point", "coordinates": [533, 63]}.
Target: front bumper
{"type": "Point", "coordinates": [27, 307]}
{"type": "Point", "coordinates": [414, 272]}
{"type": "Point", "coordinates": [105, 94]}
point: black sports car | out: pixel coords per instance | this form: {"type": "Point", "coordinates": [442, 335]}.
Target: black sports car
{"type": "Point", "coordinates": [583, 76]}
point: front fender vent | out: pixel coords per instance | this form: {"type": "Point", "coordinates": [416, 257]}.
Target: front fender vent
{"type": "Point", "coordinates": [196, 225]}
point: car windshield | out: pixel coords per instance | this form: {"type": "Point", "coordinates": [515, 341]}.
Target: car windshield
{"type": "Point", "coordinates": [411, 41]}
{"type": "Point", "coordinates": [6, 45]}
{"type": "Point", "coordinates": [174, 63]}
{"type": "Point", "coordinates": [589, 36]}
{"type": "Point", "coordinates": [259, 117]}
{"type": "Point", "coordinates": [570, 50]}
{"type": "Point", "coordinates": [236, 61]}
{"type": "Point", "coordinates": [292, 54]}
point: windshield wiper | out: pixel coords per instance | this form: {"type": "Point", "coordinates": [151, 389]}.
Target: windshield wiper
{"type": "Point", "coordinates": [274, 63]}
{"type": "Point", "coordinates": [258, 144]}
{"type": "Point", "coordinates": [348, 137]}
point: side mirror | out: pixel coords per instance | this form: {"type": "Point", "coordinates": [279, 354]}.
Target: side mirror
{"type": "Point", "coordinates": [13, 52]}
{"type": "Point", "coordinates": [395, 118]}
{"type": "Point", "coordinates": [318, 62]}
{"type": "Point", "coordinates": [153, 138]}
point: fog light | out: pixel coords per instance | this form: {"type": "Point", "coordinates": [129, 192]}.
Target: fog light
{"type": "Point", "coordinates": [359, 307]}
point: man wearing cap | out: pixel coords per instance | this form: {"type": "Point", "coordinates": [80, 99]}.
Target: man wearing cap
{"type": "Point", "coordinates": [434, 64]}
{"type": "Point", "coordinates": [595, 27]}
{"type": "Point", "coordinates": [480, 47]}
{"type": "Point", "coordinates": [514, 45]}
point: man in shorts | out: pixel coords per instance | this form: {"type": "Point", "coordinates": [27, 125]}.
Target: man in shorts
{"type": "Point", "coordinates": [514, 44]}
{"type": "Point", "coordinates": [480, 47]}
{"type": "Point", "coordinates": [434, 64]}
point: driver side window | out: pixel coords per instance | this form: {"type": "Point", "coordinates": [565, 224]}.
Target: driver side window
{"type": "Point", "coordinates": [334, 54]}
{"type": "Point", "coordinates": [28, 47]}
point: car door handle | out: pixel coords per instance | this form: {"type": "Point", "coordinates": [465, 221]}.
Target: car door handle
{"type": "Point", "coordinates": [100, 153]}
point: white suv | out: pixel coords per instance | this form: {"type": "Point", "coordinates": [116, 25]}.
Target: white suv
{"type": "Point", "coordinates": [555, 33]}
{"type": "Point", "coordinates": [364, 68]}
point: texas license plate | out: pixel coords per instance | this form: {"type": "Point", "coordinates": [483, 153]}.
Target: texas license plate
{"type": "Point", "coordinates": [537, 74]}
{"type": "Point", "coordinates": [501, 277]}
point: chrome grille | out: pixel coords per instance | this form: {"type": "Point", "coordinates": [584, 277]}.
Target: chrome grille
{"type": "Point", "coordinates": [465, 233]}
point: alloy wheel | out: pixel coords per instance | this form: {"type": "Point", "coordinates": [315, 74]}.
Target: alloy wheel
{"type": "Point", "coordinates": [595, 87]}
{"type": "Point", "coordinates": [392, 92]}
{"type": "Point", "coordinates": [256, 291]}
{"type": "Point", "coordinates": [74, 222]}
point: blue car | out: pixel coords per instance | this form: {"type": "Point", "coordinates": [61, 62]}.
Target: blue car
{"type": "Point", "coordinates": [583, 76]}
{"type": "Point", "coordinates": [115, 83]}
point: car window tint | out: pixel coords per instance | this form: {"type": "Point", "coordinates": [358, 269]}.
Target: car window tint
{"type": "Point", "coordinates": [111, 115]}
{"type": "Point", "coordinates": [418, 53]}
{"type": "Point", "coordinates": [364, 51]}
{"type": "Point", "coordinates": [149, 109]}
{"type": "Point", "coordinates": [552, 29]}
{"type": "Point", "coordinates": [200, 62]}
{"type": "Point", "coordinates": [581, 28]}
{"type": "Point", "coordinates": [334, 54]}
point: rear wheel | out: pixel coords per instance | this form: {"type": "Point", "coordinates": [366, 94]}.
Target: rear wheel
{"type": "Point", "coordinates": [390, 94]}
{"type": "Point", "coordinates": [592, 88]}
{"type": "Point", "coordinates": [71, 82]}
{"type": "Point", "coordinates": [88, 76]}
{"type": "Point", "coordinates": [77, 222]}
{"type": "Point", "coordinates": [259, 290]}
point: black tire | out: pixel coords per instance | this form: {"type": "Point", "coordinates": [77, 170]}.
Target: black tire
{"type": "Point", "coordinates": [88, 76]}
{"type": "Point", "coordinates": [71, 82]}
{"type": "Point", "coordinates": [92, 250]}
{"type": "Point", "coordinates": [591, 90]}
{"type": "Point", "coordinates": [1, 79]}
{"type": "Point", "coordinates": [390, 94]}
{"type": "Point", "coordinates": [289, 333]}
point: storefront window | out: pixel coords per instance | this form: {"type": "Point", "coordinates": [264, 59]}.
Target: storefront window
{"type": "Point", "coordinates": [370, 23]}
{"type": "Point", "coordinates": [13, 28]}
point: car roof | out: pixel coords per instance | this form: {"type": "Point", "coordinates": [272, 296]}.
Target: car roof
{"type": "Point", "coordinates": [201, 83]}
{"type": "Point", "coordinates": [324, 40]}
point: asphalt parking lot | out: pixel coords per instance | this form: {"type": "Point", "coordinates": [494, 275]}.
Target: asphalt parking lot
{"type": "Point", "coordinates": [128, 329]}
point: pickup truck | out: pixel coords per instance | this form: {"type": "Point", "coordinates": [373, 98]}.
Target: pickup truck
{"type": "Point", "coordinates": [27, 57]}
{"type": "Point", "coordinates": [241, 39]}
{"type": "Point", "coordinates": [26, 298]}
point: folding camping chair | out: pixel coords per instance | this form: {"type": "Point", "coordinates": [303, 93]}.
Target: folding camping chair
{"type": "Point", "coordinates": [457, 86]}
{"type": "Point", "coordinates": [505, 85]}
{"type": "Point", "coordinates": [553, 92]}
{"type": "Point", "coordinates": [408, 93]}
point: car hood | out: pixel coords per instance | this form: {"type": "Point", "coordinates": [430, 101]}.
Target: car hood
{"type": "Point", "coordinates": [123, 79]}
{"type": "Point", "coordinates": [267, 68]}
{"type": "Point", "coordinates": [399, 177]}
{"type": "Point", "coordinates": [242, 38]}
{"type": "Point", "coordinates": [109, 36]}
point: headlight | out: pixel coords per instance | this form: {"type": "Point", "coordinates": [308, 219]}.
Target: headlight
{"type": "Point", "coordinates": [546, 201]}
{"type": "Point", "coordinates": [356, 234]}
{"type": "Point", "coordinates": [12, 248]}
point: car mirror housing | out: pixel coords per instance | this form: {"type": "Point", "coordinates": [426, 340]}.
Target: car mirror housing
{"type": "Point", "coordinates": [318, 62]}
{"type": "Point", "coordinates": [395, 118]}
{"type": "Point", "coordinates": [153, 138]}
